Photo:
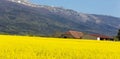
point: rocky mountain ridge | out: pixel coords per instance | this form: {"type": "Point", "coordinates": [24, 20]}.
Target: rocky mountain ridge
{"type": "Point", "coordinates": [27, 18]}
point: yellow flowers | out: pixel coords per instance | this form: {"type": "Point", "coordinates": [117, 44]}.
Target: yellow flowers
{"type": "Point", "coordinates": [23, 47]}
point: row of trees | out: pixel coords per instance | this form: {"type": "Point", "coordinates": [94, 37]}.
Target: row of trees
{"type": "Point", "coordinates": [118, 35]}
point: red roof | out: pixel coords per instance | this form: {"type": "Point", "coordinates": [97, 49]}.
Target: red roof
{"type": "Point", "coordinates": [75, 34]}
{"type": "Point", "coordinates": [101, 36]}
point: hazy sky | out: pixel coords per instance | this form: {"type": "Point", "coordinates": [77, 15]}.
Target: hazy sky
{"type": "Point", "coordinates": [105, 7]}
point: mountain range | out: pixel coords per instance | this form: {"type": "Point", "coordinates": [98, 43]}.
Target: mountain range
{"type": "Point", "coordinates": [21, 17]}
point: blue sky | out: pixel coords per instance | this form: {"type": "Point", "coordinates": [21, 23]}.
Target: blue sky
{"type": "Point", "coordinates": [104, 7]}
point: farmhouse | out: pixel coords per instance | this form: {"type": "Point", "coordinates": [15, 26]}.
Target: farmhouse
{"type": "Point", "coordinates": [81, 35]}
{"type": "Point", "coordinates": [72, 34]}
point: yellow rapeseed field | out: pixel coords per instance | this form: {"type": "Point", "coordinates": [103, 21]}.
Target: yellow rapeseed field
{"type": "Point", "coordinates": [24, 47]}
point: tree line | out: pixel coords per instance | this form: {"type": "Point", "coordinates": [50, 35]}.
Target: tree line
{"type": "Point", "coordinates": [118, 35]}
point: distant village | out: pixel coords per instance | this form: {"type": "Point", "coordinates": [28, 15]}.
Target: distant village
{"type": "Point", "coordinates": [81, 35]}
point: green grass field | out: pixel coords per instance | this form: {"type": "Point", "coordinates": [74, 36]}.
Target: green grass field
{"type": "Point", "coordinates": [23, 47]}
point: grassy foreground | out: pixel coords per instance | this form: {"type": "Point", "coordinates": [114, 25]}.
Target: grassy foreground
{"type": "Point", "coordinates": [23, 47]}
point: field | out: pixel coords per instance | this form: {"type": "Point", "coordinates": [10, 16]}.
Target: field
{"type": "Point", "coordinates": [23, 47]}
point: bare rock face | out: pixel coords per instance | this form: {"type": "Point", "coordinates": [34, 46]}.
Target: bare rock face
{"type": "Point", "coordinates": [19, 1]}
{"type": "Point", "coordinates": [25, 2]}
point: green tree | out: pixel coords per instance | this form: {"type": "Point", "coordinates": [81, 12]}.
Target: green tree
{"type": "Point", "coordinates": [118, 35]}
